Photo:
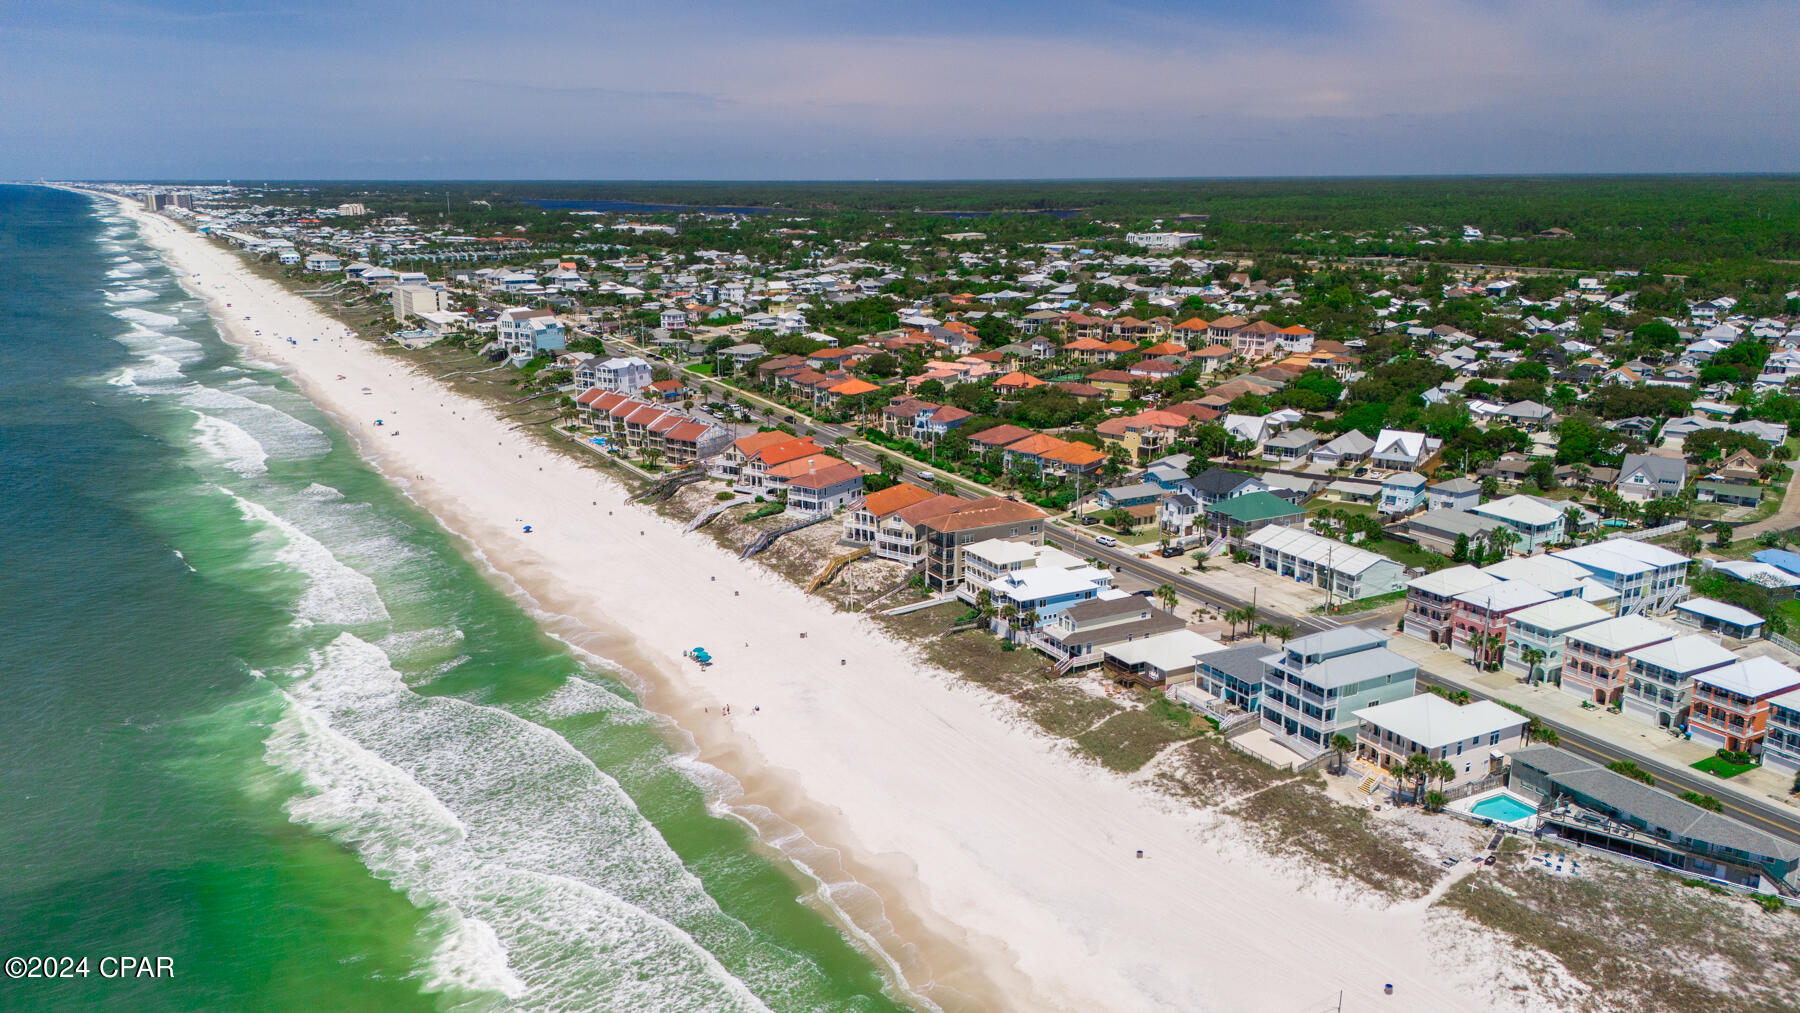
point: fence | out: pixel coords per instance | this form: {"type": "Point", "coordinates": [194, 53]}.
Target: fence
{"type": "Point", "coordinates": [1784, 643]}
{"type": "Point", "coordinates": [1667, 529]}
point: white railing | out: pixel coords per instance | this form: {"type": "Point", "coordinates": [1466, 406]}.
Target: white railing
{"type": "Point", "coordinates": [1667, 529]}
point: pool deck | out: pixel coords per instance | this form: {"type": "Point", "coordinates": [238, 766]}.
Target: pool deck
{"type": "Point", "coordinates": [1466, 806]}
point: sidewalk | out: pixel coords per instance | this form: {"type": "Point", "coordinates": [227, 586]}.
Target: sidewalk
{"type": "Point", "coordinates": [1623, 730]}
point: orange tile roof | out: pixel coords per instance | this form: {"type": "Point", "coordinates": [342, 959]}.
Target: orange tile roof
{"type": "Point", "coordinates": [1193, 324]}
{"type": "Point", "coordinates": [791, 450]}
{"type": "Point", "coordinates": [1017, 379]}
{"type": "Point", "coordinates": [1166, 348]}
{"type": "Point", "coordinates": [1034, 445]}
{"type": "Point", "coordinates": [802, 465]}
{"type": "Point", "coordinates": [749, 445]}
{"type": "Point", "coordinates": [826, 476]}
{"type": "Point", "coordinates": [1078, 455]}
{"type": "Point", "coordinates": [850, 388]}
{"type": "Point", "coordinates": [895, 497]}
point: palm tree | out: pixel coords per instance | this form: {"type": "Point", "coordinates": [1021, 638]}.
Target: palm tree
{"type": "Point", "coordinates": [1010, 613]}
{"type": "Point", "coordinates": [1532, 657]}
{"type": "Point", "coordinates": [1341, 744]}
{"type": "Point", "coordinates": [984, 604]}
{"type": "Point", "coordinates": [1167, 596]}
{"type": "Point", "coordinates": [1285, 631]}
{"type": "Point", "coordinates": [1420, 768]}
{"type": "Point", "coordinates": [1265, 629]}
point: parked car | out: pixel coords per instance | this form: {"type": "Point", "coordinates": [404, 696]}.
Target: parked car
{"type": "Point", "coordinates": [1171, 551]}
{"type": "Point", "coordinates": [1090, 519]}
{"type": "Point", "coordinates": [1106, 540]}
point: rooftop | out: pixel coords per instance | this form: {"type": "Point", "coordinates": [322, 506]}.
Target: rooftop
{"type": "Point", "coordinates": [1626, 633]}
{"type": "Point", "coordinates": [1752, 677]}
{"type": "Point", "coordinates": [1434, 722]}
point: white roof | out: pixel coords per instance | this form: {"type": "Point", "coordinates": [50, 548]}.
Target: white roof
{"type": "Point", "coordinates": [1434, 722]}
{"type": "Point", "coordinates": [1624, 633]}
{"type": "Point", "coordinates": [1316, 549]}
{"type": "Point", "coordinates": [1692, 653]}
{"type": "Point", "coordinates": [1002, 552]}
{"type": "Point", "coordinates": [1560, 615]}
{"type": "Point", "coordinates": [1557, 576]}
{"type": "Point", "coordinates": [1621, 555]}
{"type": "Point", "coordinates": [1453, 581]}
{"type": "Point", "coordinates": [1720, 610]}
{"type": "Point", "coordinates": [1506, 595]}
{"type": "Point", "coordinates": [1521, 509]}
{"type": "Point", "coordinates": [1041, 582]}
{"type": "Point", "coordinates": [1399, 442]}
{"type": "Point", "coordinates": [1757, 573]}
{"type": "Point", "coordinates": [1753, 677]}
{"type": "Point", "coordinates": [1166, 651]}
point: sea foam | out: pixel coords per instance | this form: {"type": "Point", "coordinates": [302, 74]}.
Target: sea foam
{"type": "Point", "coordinates": [473, 809]}
{"type": "Point", "coordinates": [334, 592]}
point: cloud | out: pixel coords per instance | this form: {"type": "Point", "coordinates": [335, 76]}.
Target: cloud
{"type": "Point", "coordinates": [721, 91]}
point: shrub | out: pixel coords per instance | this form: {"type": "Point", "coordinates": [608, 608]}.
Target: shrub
{"type": "Point", "coordinates": [1771, 903]}
{"type": "Point", "coordinates": [1703, 801]}
{"type": "Point", "coordinates": [1435, 801]}
{"type": "Point", "coordinates": [1632, 770]}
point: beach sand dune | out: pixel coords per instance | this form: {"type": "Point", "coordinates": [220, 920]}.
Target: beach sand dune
{"type": "Point", "coordinates": [1006, 869]}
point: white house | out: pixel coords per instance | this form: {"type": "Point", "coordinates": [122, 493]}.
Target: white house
{"type": "Point", "coordinates": [1647, 578]}
{"type": "Point", "coordinates": [1346, 572]}
{"type": "Point", "coordinates": [1475, 738]}
{"type": "Point", "coordinates": [625, 374]}
{"type": "Point", "coordinates": [1402, 450]}
{"type": "Point", "coordinates": [1537, 523]}
{"type": "Point", "coordinates": [316, 262]}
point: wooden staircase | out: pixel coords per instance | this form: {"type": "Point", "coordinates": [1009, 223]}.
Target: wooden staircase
{"type": "Point", "coordinates": [833, 568]}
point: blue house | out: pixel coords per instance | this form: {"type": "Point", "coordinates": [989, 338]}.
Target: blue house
{"type": "Point", "coordinates": [1781, 559]}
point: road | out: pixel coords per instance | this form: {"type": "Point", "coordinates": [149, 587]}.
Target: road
{"type": "Point", "coordinates": [1765, 816]}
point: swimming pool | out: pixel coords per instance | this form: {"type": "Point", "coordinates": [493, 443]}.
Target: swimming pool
{"type": "Point", "coordinates": [1502, 809]}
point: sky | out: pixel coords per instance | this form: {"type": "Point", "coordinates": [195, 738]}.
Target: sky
{"type": "Point", "coordinates": [915, 89]}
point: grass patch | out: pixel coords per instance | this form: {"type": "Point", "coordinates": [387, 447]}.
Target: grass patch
{"type": "Point", "coordinates": [1297, 818]}
{"type": "Point", "coordinates": [1718, 766]}
{"type": "Point", "coordinates": [1208, 772]}
{"type": "Point", "coordinates": [1063, 711]}
{"type": "Point", "coordinates": [1128, 740]}
{"type": "Point", "coordinates": [1407, 555]}
{"type": "Point", "coordinates": [1634, 935]}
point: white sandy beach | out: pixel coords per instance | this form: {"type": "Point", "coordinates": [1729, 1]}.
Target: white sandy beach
{"type": "Point", "coordinates": [1006, 868]}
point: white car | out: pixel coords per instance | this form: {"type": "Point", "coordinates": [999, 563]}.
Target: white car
{"type": "Point", "coordinates": [1106, 540]}
{"type": "Point", "coordinates": [927, 476]}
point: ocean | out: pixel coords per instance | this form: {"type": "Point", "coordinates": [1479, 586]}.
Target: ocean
{"type": "Point", "coordinates": [263, 717]}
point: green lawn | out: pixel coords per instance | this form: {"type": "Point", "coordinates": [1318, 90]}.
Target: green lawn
{"type": "Point", "coordinates": [1407, 555]}
{"type": "Point", "coordinates": [1720, 767]}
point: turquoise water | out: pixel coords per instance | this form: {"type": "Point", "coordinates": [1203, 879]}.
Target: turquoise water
{"type": "Point", "coordinates": [1502, 809]}
{"type": "Point", "coordinates": [263, 718]}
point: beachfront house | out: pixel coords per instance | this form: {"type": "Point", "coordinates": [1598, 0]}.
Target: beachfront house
{"type": "Point", "coordinates": [1586, 804]}
{"type": "Point", "coordinates": [1313, 686]}
{"type": "Point", "coordinates": [1076, 636]}
{"type": "Point", "coordinates": [1033, 581]}
{"type": "Point", "coordinates": [625, 374]}
{"type": "Point", "coordinates": [320, 262]}
{"type": "Point", "coordinates": [528, 333]}
{"type": "Point", "coordinates": [826, 487]}
{"type": "Point", "coordinates": [1158, 661]}
{"type": "Point", "coordinates": [1475, 738]}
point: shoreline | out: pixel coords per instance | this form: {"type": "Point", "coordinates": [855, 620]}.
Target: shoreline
{"type": "Point", "coordinates": [950, 816]}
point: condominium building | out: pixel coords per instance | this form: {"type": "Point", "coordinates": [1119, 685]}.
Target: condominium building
{"type": "Point", "coordinates": [527, 333]}
{"type": "Point", "coordinates": [967, 522]}
{"type": "Point", "coordinates": [1597, 659]}
{"type": "Point", "coordinates": [1536, 636]}
{"type": "Point", "coordinates": [1661, 677]}
{"type": "Point", "coordinates": [416, 300]}
{"type": "Point", "coordinates": [1346, 572]}
{"type": "Point", "coordinates": [1313, 686]}
{"type": "Point", "coordinates": [1648, 578]}
{"type": "Point", "coordinates": [1431, 599]}
{"type": "Point", "coordinates": [1731, 704]}
{"type": "Point", "coordinates": [626, 374]}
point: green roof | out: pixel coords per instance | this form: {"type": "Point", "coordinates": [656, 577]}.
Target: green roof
{"type": "Point", "coordinates": [1736, 491]}
{"type": "Point", "coordinates": [1256, 506]}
